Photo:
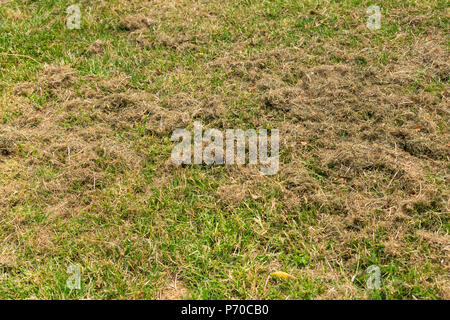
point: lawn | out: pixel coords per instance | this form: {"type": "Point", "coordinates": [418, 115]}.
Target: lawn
{"type": "Point", "coordinates": [86, 177]}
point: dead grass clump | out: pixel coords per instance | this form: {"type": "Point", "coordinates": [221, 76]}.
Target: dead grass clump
{"type": "Point", "coordinates": [296, 179]}
{"type": "Point", "coordinates": [96, 47]}
{"type": "Point", "coordinates": [116, 102]}
{"type": "Point", "coordinates": [282, 55]}
{"type": "Point", "coordinates": [435, 239]}
{"type": "Point", "coordinates": [117, 84]}
{"type": "Point", "coordinates": [8, 258]}
{"type": "Point", "coordinates": [85, 163]}
{"type": "Point", "coordinates": [210, 110]}
{"type": "Point", "coordinates": [331, 72]}
{"type": "Point", "coordinates": [144, 42]}
{"type": "Point", "coordinates": [24, 89]}
{"type": "Point", "coordinates": [250, 69]}
{"type": "Point", "coordinates": [57, 76]}
{"type": "Point", "coordinates": [181, 102]}
{"type": "Point", "coordinates": [420, 146]}
{"type": "Point", "coordinates": [136, 22]}
{"type": "Point", "coordinates": [375, 163]}
{"type": "Point", "coordinates": [163, 121]}
{"type": "Point", "coordinates": [43, 239]}
{"type": "Point", "coordinates": [283, 99]}
{"type": "Point", "coordinates": [128, 109]}
{"type": "Point", "coordinates": [8, 144]}
{"type": "Point", "coordinates": [233, 194]}
{"type": "Point", "coordinates": [178, 42]}
{"type": "Point", "coordinates": [269, 82]}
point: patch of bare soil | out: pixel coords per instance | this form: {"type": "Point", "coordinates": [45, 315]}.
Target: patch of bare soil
{"type": "Point", "coordinates": [8, 143]}
{"type": "Point", "coordinates": [175, 290]}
